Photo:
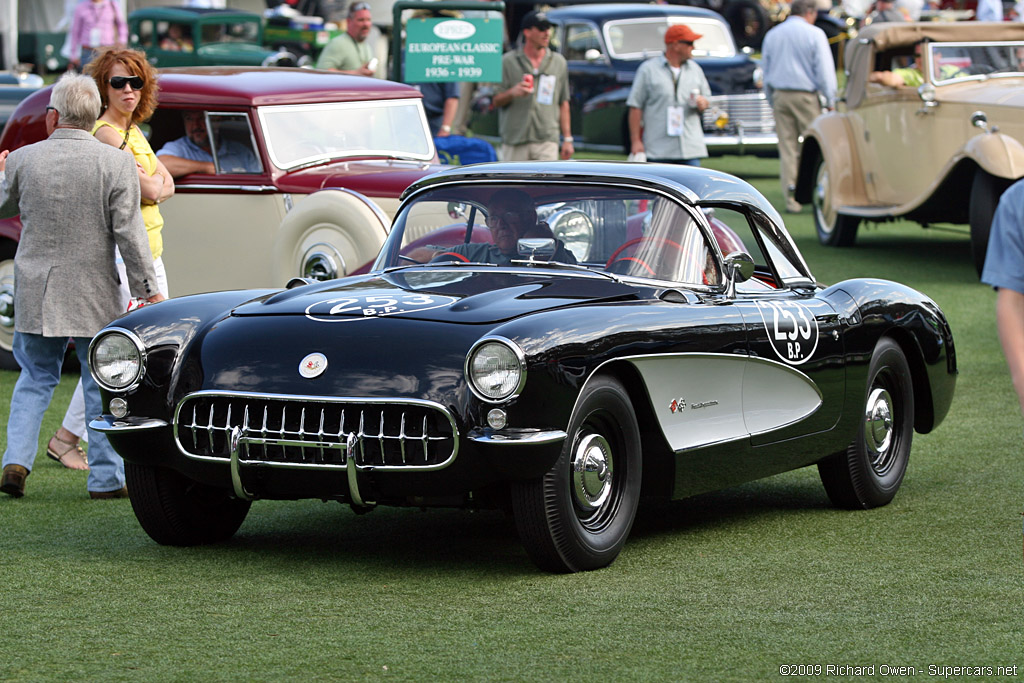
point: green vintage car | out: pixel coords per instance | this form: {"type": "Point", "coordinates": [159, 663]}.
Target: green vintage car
{"type": "Point", "coordinates": [189, 36]}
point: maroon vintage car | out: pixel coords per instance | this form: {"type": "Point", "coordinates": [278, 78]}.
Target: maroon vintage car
{"type": "Point", "coordinates": [310, 165]}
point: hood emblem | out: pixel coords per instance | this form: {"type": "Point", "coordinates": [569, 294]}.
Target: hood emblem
{"type": "Point", "coordinates": [313, 365]}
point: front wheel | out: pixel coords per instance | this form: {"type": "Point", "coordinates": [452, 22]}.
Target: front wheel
{"type": "Point", "coordinates": [577, 516]}
{"type": "Point", "coordinates": [174, 510]}
{"type": "Point", "coordinates": [834, 229]}
{"type": "Point", "coordinates": [985, 193]}
{"type": "Point", "coordinates": [870, 471]}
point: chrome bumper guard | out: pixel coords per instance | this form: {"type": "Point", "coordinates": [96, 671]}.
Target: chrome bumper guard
{"type": "Point", "coordinates": [108, 424]}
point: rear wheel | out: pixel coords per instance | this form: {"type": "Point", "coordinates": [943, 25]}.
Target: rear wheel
{"type": "Point", "coordinates": [174, 510]}
{"type": "Point", "coordinates": [870, 471]}
{"type": "Point", "coordinates": [834, 229]}
{"type": "Point", "coordinates": [578, 515]}
{"type": "Point", "coordinates": [985, 193]}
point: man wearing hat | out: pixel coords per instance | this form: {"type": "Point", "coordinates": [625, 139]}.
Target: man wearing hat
{"type": "Point", "coordinates": [533, 105]}
{"type": "Point", "coordinates": [665, 103]}
{"type": "Point", "coordinates": [798, 68]}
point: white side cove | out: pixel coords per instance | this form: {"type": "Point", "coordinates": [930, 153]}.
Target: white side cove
{"type": "Point", "coordinates": [701, 399]}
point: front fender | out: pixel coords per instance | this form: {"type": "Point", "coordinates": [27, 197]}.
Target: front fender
{"type": "Point", "coordinates": [997, 154]}
{"type": "Point", "coordinates": [830, 138]}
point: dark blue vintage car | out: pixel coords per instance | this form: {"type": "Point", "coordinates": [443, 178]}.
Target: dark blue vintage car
{"type": "Point", "coordinates": [652, 332]}
{"type": "Point", "coordinates": [605, 44]}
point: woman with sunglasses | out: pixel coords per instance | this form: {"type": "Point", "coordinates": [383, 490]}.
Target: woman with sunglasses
{"type": "Point", "coordinates": [128, 91]}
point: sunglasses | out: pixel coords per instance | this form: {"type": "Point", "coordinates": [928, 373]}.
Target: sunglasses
{"type": "Point", "coordinates": [358, 7]}
{"type": "Point", "coordinates": [685, 42]}
{"type": "Point", "coordinates": [118, 82]}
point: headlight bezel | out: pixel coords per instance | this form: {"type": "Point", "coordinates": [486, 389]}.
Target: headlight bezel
{"type": "Point", "coordinates": [140, 349]}
{"type": "Point", "coordinates": [471, 379]}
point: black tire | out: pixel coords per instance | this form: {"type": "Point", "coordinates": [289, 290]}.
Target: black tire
{"type": "Point", "coordinates": [748, 20]}
{"type": "Point", "coordinates": [834, 229]}
{"type": "Point", "coordinates": [174, 510]}
{"type": "Point", "coordinates": [578, 518]}
{"type": "Point", "coordinates": [870, 471]}
{"type": "Point", "coordinates": [7, 251]}
{"type": "Point", "coordinates": [986, 189]}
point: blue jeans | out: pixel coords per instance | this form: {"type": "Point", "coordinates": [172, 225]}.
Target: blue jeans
{"type": "Point", "coordinates": [40, 359]}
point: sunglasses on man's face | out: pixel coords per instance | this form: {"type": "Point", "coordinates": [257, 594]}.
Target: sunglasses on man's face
{"type": "Point", "coordinates": [118, 82]}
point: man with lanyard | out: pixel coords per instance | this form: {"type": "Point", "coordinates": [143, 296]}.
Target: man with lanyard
{"type": "Point", "coordinates": [533, 105]}
{"type": "Point", "coordinates": [351, 52]}
{"type": "Point", "coordinates": [669, 94]}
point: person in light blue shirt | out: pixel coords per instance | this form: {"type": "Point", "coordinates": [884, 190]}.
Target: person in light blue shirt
{"type": "Point", "coordinates": [1004, 270]}
{"type": "Point", "coordinates": [798, 68]}
{"type": "Point", "coordinates": [192, 153]}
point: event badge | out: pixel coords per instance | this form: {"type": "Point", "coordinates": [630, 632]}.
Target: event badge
{"type": "Point", "coordinates": [546, 89]}
{"type": "Point", "coordinates": [675, 121]}
{"type": "Point", "coordinates": [95, 38]}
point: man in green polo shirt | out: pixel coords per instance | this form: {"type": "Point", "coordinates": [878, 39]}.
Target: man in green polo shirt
{"type": "Point", "coordinates": [533, 105]}
{"type": "Point", "coordinates": [351, 52]}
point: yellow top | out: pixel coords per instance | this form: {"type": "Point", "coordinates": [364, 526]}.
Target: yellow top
{"type": "Point", "coordinates": [138, 145]}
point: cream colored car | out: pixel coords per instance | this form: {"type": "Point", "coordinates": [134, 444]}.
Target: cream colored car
{"type": "Point", "coordinates": [939, 150]}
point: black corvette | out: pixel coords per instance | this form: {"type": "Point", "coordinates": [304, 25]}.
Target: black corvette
{"type": "Point", "coordinates": [661, 336]}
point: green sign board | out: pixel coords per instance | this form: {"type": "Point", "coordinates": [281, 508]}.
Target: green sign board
{"type": "Point", "coordinates": [446, 49]}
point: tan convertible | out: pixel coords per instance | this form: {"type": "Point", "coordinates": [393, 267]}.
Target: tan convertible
{"type": "Point", "coordinates": [929, 130]}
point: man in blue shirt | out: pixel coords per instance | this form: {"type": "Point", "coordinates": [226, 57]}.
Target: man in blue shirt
{"type": "Point", "coordinates": [1004, 270]}
{"type": "Point", "coordinates": [192, 153]}
{"type": "Point", "coordinates": [798, 67]}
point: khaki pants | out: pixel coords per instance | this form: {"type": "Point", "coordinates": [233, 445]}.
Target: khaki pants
{"type": "Point", "coordinates": [531, 151]}
{"type": "Point", "coordinates": [794, 110]}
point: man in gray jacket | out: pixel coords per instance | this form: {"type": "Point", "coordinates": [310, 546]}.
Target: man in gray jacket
{"type": "Point", "coordinates": [77, 198]}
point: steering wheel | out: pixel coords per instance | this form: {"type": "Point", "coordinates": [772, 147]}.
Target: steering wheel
{"type": "Point", "coordinates": [637, 240]}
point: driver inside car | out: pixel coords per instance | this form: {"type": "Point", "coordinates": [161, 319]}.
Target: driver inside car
{"type": "Point", "coordinates": [511, 216]}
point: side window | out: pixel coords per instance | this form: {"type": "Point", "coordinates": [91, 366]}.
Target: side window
{"type": "Point", "coordinates": [775, 260]}
{"type": "Point", "coordinates": [145, 37]}
{"type": "Point", "coordinates": [234, 144]}
{"type": "Point", "coordinates": [579, 38]}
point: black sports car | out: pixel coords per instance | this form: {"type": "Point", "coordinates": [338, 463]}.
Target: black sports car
{"type": "Point", "coordinates": [554, 340]}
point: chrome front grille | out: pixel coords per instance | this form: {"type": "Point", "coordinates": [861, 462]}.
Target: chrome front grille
{"type": "Point", "coordinates": [316, 432]}
{"type": "Point", "coordinates": [749, 113]}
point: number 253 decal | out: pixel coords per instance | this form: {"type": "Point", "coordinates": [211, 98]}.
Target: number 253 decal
{"type": "Point", "coordinates": [364, 307]}
{"type": "Point", "coordinates": [792, 330]}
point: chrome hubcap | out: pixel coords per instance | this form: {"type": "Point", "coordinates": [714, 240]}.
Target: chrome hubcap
{"type": "Point", "coordinates": [878, 429]}
{"type": "Point", "coordinates": [592, 472]}
{"type": "Point", "coordinates": [822, 206]}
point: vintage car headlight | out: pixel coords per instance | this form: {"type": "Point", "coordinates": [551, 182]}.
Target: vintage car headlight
{"type": "Point", "coordinates": [496, 369]}
{"type": "Point", "coordinates": [575, 229]}
{"type": "Point", "coordinates": [117, 359]}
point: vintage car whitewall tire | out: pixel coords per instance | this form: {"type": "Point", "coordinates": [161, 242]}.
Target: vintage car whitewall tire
{"type": "Point", "coordinates": [986, 189]}
{"type": "Point", "coordinates": [174, 510]}
{"type": "Point", "coordinates": [7, 361]}
{"type": "Point", "coordinates": [578, 515]}
{"type": "Point", "coordinates": [834, 229]}
{"type": "Point", "coordinates": [330, 229]}
{"type": "Point", "coordinates": [870, 471]}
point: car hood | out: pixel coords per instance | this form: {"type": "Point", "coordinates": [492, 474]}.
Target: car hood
{"type": "Point", "coordinates": [453, 295]}
{"type": "Point", "coordinates": [373, 178]}
{"type": "Point", "coordinates": [1002, 92]}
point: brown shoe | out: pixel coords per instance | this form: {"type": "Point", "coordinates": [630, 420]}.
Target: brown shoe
{"type": "Point", "coordinates": [103, 495]}
{"type": "Point", "coordinates": [13, 480]}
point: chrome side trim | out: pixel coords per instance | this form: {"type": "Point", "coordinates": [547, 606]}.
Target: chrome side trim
{"type": "Point", "coordinates": [517, 437]}
{"type": "Point", "coordinates": [241, 188]}
{"type": "Point", "coordinates": [111, 424]}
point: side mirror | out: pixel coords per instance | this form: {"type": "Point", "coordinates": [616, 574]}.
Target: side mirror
{"type": "Point", "coordinates": [739, 267]}
{"type": "Point", "coordinates": [592, 55]}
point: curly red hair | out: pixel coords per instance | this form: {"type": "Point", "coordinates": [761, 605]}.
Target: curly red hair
{"type": "Point", "coordinates": [136, 64]}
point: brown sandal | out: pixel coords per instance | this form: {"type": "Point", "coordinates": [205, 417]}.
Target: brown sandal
{"type": "Point", "coordinates": [72, 457]}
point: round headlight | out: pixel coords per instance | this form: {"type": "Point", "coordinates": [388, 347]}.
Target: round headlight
{"type": "Point", "coordinates": [576, 231]}
{"type": "Point", "coordinates": [116, 360]}
{"type": "Point", "coordinates": [495, 369]}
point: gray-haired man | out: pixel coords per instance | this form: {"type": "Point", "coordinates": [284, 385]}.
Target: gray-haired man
{"type": "Point", "coordinates": [78, 198]}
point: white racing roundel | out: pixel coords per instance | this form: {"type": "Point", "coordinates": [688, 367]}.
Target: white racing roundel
{"type": "Point", "coordinates": [792, 330]}
{"type": "Point", "coordinates": [369, 306]}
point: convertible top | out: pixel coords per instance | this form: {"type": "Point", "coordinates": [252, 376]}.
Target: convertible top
{"type": "Point", "coordinates": [860, 55]}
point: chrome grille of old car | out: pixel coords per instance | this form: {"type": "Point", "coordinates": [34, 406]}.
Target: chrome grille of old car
{"type": "Point", "coordinates": [749, 113]}
{"type": "Point", "coordinates": [316, 432]}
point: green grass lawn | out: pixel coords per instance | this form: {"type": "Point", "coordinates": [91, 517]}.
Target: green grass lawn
{"type": "Point", "coordinates": [728, 586]}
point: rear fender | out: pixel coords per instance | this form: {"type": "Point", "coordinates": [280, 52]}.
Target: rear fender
{"type": "Point", "coordinates": [830, 137]}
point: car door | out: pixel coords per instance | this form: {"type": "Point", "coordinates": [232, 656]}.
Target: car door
{"type": "Point", "coordinates": [590, 70]}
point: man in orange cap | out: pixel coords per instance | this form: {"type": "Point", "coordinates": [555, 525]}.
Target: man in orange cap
{"type": "Point", "coordinates": [665, 103]}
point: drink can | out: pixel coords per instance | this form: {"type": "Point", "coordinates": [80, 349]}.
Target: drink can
{"type": "Point", "coordinates": [528, 81]}
{"type": "Point", "coordinates": [694, 94]}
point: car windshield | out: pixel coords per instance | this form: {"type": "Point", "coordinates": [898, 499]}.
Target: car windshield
{"type": "Point", "coordinates": [633, 39]}
{"type": "Point", "coordinates": [303, 134]}
{"type": "Point", "coordinates": [958, 61]}
{"type": "Point", "coordinates": [621, 231]}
